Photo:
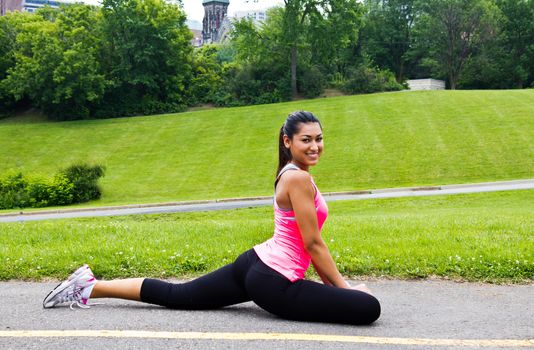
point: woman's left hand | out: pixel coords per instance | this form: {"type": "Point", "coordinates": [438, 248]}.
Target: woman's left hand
{"type": "Point", "coordinates": [362, 288]}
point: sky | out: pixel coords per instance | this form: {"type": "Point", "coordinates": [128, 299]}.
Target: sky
{"type": "Point", "coordinates": [195, 11]}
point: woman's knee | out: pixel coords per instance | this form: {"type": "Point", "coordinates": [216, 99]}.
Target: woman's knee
{"type": "Point", "coordinates": [370, 309]}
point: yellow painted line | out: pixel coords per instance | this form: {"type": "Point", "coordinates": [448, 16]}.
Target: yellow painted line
{"type": "Point", "coordinates": [266, 336]}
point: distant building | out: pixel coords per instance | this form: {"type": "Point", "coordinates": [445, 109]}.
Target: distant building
{"type": "Point", "coordinates": [197, 37]}
{"type": "Point", "coordinates": [215, 12]}
{"type": "Point", "coordinates": [426, 84]}
{"type": "Point", "coordinates": [217, 25]}
{"type": "Point", "coordinates": [10, 6]}
{"type": "Point", "coordinates": [27, 5]}
{"type": "Point", "coordinates": [255, 15]}
{"type": "Point", "coordinates": [224, 31]}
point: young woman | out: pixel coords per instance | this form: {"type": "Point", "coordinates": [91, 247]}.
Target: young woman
{"type": "Point", "coordinates": [272, 273]}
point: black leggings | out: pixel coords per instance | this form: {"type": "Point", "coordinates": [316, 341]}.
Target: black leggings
{"type": "Point", "coordinates": [248, 278]}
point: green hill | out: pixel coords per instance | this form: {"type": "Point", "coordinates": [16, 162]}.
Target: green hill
{"type": "Point", "coordinates": [371, 141]}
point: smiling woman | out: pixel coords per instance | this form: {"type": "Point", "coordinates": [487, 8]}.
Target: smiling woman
{"type": "Point", "coordinates": [272, 273]}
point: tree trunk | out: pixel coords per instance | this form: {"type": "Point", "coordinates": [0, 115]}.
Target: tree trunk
{"type": "Point", "coordinates": [294, 71]}
{"type": "Point", "coordinates": [452, 81]}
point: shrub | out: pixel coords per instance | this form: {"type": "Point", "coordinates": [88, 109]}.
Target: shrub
{"type": "Point", "coordinates": [365, 79]}
{"type": "Point", "coordinates": [249, 85]}
{"type": "Point", "coordinates": [75, 184]}
{"type": "Point", "coordinates": [312, 82]}
{"type": "Point", "coordinates": [13, 192]}
{"type": "Point", "coordinates": [84, 180]}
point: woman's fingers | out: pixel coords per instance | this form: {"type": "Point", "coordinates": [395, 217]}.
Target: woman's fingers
{"type": "Point", "coordinates": [362, 288]}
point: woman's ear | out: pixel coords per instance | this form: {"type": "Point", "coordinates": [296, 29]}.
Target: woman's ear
{"type": "Point", "coordinates": [287, 141]}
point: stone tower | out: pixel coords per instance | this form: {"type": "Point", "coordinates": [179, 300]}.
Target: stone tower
{"type": "Point", "coordinates": [214, 14]}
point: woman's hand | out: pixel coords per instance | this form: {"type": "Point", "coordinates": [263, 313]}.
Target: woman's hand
{"type": "Point", "coordinates": [362, 288]}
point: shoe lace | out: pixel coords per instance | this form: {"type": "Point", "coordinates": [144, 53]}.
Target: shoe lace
{"type": "Point", "coordinates": [82, 305]}
{"type": "Point", "coordinates": [75, 297]}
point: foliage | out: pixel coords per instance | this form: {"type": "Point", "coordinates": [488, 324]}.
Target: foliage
{"type": "Point", "coordinates": [387, 34]}
{"type": "Point", "coordinates": [75, 184]}
{"type": "Point", "coordinates": [312, 82]}
{"type": "Point", "coordinates": [250, 84]}
{"type": "Point", "coordinates": [207, 78]}
{"type": "Point", "coordinates": [365, 79]}
{"type": "Point", "coordinates": [10, 25]}
{"type": "Point", "coordinates": [84, 181]}
{"type": "Point", "coordinates": [134, 57]}
{"type": "Point", "coordinates": [451, 32]}
{"type": "Point", "coordinates": [508, 60]}
{"type": "Point", "coordinates": [259, 73]}
{"type": "Point", "coordinates": [147, 57]}
{"type": "Point", "coordinates": [76, 62]}
{"type": "Point", "coordinates": [56, 63]}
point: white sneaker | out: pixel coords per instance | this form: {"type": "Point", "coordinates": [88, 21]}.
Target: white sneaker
{"type": "Point", "coordinates": [76, 289]}
{"type": "Point", "coordinates": [79, 271]}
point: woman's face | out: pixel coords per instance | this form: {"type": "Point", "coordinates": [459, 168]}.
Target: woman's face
{"type": "Point", "coordinates": [306, 146]}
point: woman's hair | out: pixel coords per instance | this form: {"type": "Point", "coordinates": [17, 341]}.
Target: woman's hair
{"type": "Point", "coordinates": [290, 128]}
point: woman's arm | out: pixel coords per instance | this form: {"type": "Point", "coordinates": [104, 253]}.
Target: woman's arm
{"type": "Point", "coordinates": [321, 275]}
{"type": "Point", "coordinates": [301, 195]}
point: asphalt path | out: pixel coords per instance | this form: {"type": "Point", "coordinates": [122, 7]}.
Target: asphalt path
{"type": "Point", "coordinates": [427, 314]}
{"type": "Point", "coordinates": [232, 203]}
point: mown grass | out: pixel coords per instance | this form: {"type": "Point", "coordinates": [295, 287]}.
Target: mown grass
{"type": "Point", "coordinates": [476, 237]}
{"type": "Point", "coordinates": [372, 141]}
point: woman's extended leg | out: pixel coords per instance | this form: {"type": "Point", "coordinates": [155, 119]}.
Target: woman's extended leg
{"type": "Point", "coordinates": [122, 289]}
{"type": "Point", "coordinates": [219, 288]}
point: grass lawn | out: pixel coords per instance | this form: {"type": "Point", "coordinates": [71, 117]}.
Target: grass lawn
{"type": "Point", "coordinates": [372, 141]}
{"type": "Point", "coordinates": [476, 237]}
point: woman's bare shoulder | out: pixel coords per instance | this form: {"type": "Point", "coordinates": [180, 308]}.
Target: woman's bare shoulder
{"type": "Point", "coordinates": [297, 178]}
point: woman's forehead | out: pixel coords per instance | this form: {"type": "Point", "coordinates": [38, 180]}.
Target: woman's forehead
{"type": "Point", "coordinates": [311, 129]}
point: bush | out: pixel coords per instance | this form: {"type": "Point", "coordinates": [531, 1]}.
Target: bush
{"type": "Point", "coordinates": [84, 180]}
{"type": "Point", "coordinates": [312, 82]}
{"type": "Point", "coordinates": [250, 85]}
{"type": "Point", "coordinates": [75, 184]}
{"type": "Point", "coordinates": [13, 192]}
{"type": "Point", "coordinates": [365, 79]}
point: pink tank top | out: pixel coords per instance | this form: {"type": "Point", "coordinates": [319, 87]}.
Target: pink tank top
{"type": "Point", "coordinates": [285, 252]}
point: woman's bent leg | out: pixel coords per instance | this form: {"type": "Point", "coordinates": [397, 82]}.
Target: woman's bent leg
{"type": "Point", "coordinates": [309, 301]}
{"type": "Point", "coordinates": [219, 288]}
{"type": "Point", "coordinates": [312, 301]}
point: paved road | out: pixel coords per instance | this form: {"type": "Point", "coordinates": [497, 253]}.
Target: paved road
{"type": "Point", "coordinates": [426, 314]}
{"type": "Point", "coordinates": [262, 201]}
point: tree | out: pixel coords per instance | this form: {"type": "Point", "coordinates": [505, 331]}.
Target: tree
{"type": "Point", "coordinates": [316, 34]}
{"type": "Point", "coordinates": [56, 63]}
{"type": "Point", "coordinates": [147, 56]}
{"type": "Point", "coordinates": [11, 25]}
{"type": "Point", "coordinates": [451, 31]}
{"type": "Point", "coordinates": [260, 72]}
{"type": "Point", "coordinates": [516, 41]}
{"type": "Point", "coordinates": [207, 74]}
{"type": "Point", "coordinates": [387, 34]}
{"type": "Point", "coordinates": [333, 35]}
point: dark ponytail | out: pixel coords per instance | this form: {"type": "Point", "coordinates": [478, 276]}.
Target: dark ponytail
{"type": "Point", "coordinates": [290, 128]}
